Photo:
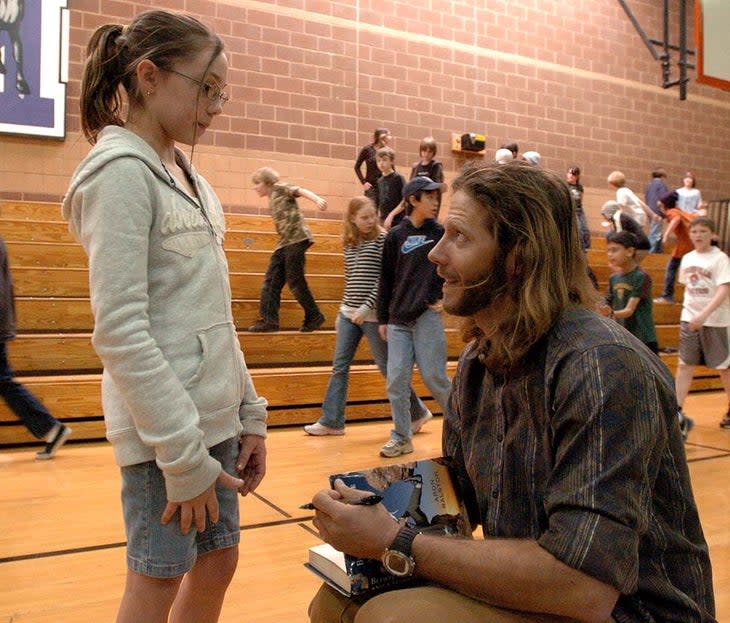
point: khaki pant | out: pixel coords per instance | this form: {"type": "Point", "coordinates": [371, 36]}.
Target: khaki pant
{"type": "Point", "coordinates": [424, 604]}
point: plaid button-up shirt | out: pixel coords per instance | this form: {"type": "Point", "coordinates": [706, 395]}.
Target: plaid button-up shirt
{"type": "Point", "coordinates": [581, 451]}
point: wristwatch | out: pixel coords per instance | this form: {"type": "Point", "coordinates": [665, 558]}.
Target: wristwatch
{"type": "Point", "coordinates": [397, 559]}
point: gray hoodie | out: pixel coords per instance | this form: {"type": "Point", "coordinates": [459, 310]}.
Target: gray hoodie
{"type": "Point", "coordinates": [175, 382]}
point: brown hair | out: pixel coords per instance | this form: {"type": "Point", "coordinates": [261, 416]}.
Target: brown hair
{"type": "Point", "coordinates": [114, 51]}
{"type": "Point", "coordinates": [351, 235]}
{"type": "Point", "coordinates": [529, 212]}
{"type": "Point", "coordinates": [378, 134]}
{"type": "Point", "coordinates": [703, 221]}
{"type": "Point", "coordinates": [385, 152]}
{"type": "Point", "coordinates": [428, 144]}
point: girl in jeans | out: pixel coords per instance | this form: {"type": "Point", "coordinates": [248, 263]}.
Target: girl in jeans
{"type": "Point", "coordinates": [180, 409]}
{"type": "Point", "coordinates": [363, 247]}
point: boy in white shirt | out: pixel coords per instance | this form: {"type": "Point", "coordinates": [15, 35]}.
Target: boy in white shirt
{"type": "Point", "coordinates": [704, 336]}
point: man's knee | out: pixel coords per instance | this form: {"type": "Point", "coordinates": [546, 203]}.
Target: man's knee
{"type": "Point", "coordinates": [329, 606]}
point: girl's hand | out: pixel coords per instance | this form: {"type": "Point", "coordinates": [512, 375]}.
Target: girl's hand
{"type": "Point", "coordinates": [251, 464]}
{"type": "Point", "coordinates": [196, 510]}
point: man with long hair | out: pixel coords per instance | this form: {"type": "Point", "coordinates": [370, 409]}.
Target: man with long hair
{"type": "Point", "coordinates": [562, 430]}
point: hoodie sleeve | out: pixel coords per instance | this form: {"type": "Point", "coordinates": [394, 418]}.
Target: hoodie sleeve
{"type": "Point", "coordinates": [113, 213]}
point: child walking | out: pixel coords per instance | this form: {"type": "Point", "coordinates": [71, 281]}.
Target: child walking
{"type": "Point", "coordinates": [704, 334]}
{"type": "Point", "coordinates": [409, 310]}
{"type": "Point", "coordinates": [31, 411]}
{"type": "Point", "coordinates": [679, 224]}
{"type": "Point", "coordinates": [180, 409]}
{"type": "Point", "coordinates": [287, 262]}
{"type": "Point", "coordinates": [363, 248]}
{"type": "Point", "coordinates": [629, 289]}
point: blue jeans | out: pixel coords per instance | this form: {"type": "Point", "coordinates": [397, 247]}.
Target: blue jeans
{"type": "Point", "coordinates": [423, 343]}
{"type": "Point", "coordinates": [349, 335]}
{"type": "Point", "coordinates": [36, 418]}
{"type": "Point", "coordinates": [287, 266]}
{"type": "Point", "coordinates": [655, 237]}
{"type": "Point", "coordinates": [669, 277]}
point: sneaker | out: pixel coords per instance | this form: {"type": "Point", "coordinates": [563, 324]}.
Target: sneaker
{"type": "Point", "coordinates": [312, 325]}
{"type": "Point", "coordinates": [393, 447]}
{"type": "Point", "coordinates": [664, 300]}
{"type": "Point", "coordinates": [264, 326]}
{"type": "Point", "coordinates": [686, 424]}
{"type": "Point", "coordinates": [417, 425]}
{"type": "Point", "coordinates": [54, 440]}
{"type": "Point", "coordinates": [725, 422]}
{"type": "Point", "coordinates": [319, 430]}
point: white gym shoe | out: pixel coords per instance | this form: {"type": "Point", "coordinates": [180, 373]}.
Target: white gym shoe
{"type": "Point", "coordinates": [393, 447]}
{"type": "Point", "coordinates": [54, 440]}
{"type": "Point", "coordinates": [319, 430]}
{"type": "Point", "coordinates": [417, 425]}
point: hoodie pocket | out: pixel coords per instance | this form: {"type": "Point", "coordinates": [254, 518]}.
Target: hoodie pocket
{"type": "Point", "coordinates": [216, 384]}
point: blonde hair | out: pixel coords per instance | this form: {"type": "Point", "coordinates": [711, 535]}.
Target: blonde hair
{"type": "Point", "coordinates": [267, 175]}
{"type": "Point", "coordinates": [617, 178]}
{"type": "Point", "coordinates": [351, 235]}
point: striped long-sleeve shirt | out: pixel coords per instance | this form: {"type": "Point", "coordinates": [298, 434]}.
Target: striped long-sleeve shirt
{"type": "Point", "coordinates": [362, 274]}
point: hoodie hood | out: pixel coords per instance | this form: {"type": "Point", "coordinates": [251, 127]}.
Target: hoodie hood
{"type": "Point", "coordinates": [116, 142]}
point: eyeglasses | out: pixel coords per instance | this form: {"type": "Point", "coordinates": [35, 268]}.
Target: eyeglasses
{"type": "Point", "coordinates": [212, 92]}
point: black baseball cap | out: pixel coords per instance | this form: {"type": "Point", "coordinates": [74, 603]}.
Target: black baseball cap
{"type": "Point", "coordinates": [417, 184]}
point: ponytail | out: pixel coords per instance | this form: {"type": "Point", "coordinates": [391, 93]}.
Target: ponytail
{"type": "Point", "coordinates": [114, 51]}
{"type": "Point", "coordinates": [105, 69]}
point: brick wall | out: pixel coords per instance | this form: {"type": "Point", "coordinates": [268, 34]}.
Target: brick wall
{"type": "Point", "coordinates": [311, 79]}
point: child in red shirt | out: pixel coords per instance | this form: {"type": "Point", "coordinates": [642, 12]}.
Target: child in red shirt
{"type": "Point", "coordinates": [679, 223]}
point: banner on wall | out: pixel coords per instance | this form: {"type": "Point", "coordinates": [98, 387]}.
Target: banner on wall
{"type": "Point", "coordinates": [33, 67]}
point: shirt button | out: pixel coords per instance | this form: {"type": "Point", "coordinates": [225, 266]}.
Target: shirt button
{"type": "Point", "coordinates": [495, 494]}
{"type": "Point", "coordinates": [500, 438]}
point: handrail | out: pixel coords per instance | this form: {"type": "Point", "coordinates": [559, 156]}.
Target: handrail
{"type": "Point", "coordinates": [719, 210]}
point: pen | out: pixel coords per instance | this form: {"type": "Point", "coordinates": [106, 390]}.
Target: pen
{"type": "Point", "coordinates": [370, 500]}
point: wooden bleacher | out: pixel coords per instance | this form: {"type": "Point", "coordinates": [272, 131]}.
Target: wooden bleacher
{"type": "Point", "coordinates": [53, 357]}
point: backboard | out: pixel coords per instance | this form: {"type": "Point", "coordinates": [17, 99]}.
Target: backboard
{"type": "Point", "coordinates": [712, 25]}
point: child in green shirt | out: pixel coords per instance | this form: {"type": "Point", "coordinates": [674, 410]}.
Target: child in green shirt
{"type": "Point", "coordinates": [629, 289]}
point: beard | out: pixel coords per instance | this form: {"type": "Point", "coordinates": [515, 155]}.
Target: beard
{"type": "Point", "coordinates": [480, 293]}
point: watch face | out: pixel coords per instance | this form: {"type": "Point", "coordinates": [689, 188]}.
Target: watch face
{"type": "Point", "coordinates": [398, 563]}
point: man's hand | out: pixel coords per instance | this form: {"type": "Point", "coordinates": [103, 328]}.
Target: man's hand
{"type": "Point", "coordinates": [363, 531]}
{"type": "Point", "coordinates": [194, 511]}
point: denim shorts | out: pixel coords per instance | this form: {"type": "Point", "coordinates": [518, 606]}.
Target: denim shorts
{"type": "Point", "coordinates": [163, 551]}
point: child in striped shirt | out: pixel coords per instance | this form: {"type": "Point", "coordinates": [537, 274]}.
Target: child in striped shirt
{"type": "Point", "coordinates": [363, 248]}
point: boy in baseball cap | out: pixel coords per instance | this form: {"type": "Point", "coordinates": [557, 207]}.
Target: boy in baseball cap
{"type": "Point", "coordinates": [409, 311]}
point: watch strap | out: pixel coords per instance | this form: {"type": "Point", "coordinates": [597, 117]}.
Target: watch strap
{"type": "Point", "coordinates": [403, 541]}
